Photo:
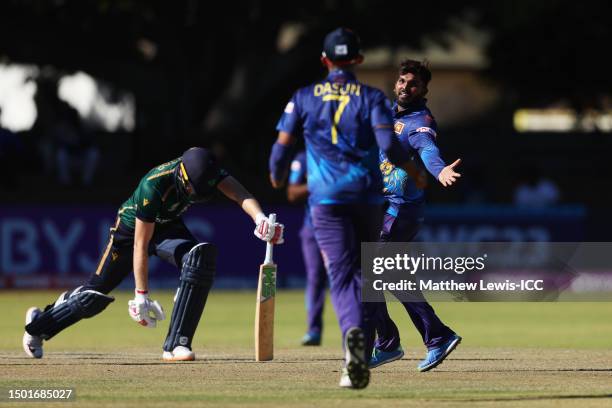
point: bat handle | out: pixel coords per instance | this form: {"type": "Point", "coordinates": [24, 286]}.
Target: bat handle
{"type": "Point", "coordinates": [269, 245]}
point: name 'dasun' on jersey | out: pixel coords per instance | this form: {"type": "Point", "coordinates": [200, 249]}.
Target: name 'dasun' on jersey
{"type": "Point", "coordinates": [328, 88]}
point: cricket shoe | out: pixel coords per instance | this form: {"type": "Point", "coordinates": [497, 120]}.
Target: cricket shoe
{"type": "Point", "coordinates": [345, 381]}
{"type": "Point", "coordinates": [380, 357]}
{"type": "Point", "coordinates": [436, 356]}
{"type": "Point", "coordinates": [32, 345]}
{"type": "Point", "coordinates": [180, 353]}
{"type": "Point", "coordinates": [311, 339]}
{"type": "Point", "coordinates": [356, 373]}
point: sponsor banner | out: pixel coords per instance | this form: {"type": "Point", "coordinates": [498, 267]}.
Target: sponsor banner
{"type": "Point", "coordinates": [52, 246]}
{"type": "Point", "coordinates": [59, 247]}
{"type": "Point", "coordinates": [487, 271]}
{"type": "Point", "coordinates": [503, 223]}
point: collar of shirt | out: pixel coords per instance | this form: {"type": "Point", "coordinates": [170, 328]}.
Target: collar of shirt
{"type": "Point", "coordinates": [339, 75]}
{"type": "Point", "coordinates": [413, 107]}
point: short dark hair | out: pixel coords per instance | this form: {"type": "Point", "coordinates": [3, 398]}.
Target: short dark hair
{"type": "Point", "coordinates": [417, 68]}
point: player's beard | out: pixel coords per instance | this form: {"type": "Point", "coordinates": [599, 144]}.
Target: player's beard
{"type": "Point", "coordinates": [409, 102]}
{"type": "Point", "coordinates": [405, 100]}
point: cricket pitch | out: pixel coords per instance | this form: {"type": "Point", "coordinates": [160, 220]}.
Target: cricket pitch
{"type": "Point", "coordinates": [519, 354]}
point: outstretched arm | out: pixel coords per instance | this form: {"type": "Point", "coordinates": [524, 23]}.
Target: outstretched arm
{"type": "Point", "coordinates": [264, 229]}
{"type": "Point", "coordinates": [235, 191]}
{"type": "Point", "coordinates": [430, 154]}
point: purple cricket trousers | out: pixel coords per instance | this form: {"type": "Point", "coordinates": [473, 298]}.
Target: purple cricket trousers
{"type": "Point", "coordinates": [402, 226]}
{"type": "Point", "coordinates": [339, 230]}
{"type": "Point", "coordinates": [316, 279]}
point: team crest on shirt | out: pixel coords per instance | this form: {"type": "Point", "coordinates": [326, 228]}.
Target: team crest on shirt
{"type": "Point", "coordinates": [289, 107]}
{"type": "Point", "coordinates": [399, 126]}
{"type": "Point", "coordinates": [145, 202]}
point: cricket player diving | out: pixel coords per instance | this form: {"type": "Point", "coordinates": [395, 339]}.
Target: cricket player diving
{"type": "Point", "coordinates": [416, 130]}
{"type": "Point", "coordinates": [344, 123]}
{"type": "Point", "coordinates": [150, 223]}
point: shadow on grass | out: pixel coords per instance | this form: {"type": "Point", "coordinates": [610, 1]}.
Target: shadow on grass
{"type": "Point", "coordinates": [534, 398]}
{"type": "Point", "coordinates": [529, 370]}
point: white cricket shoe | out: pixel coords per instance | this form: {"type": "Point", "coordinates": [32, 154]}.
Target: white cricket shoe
{"type": "Point", "coordinates": [32, 345]}
{"type": "Point", "coordinates": [180, 353]}
{"type": "Point", "coordinates": [356, 373]}
{"type": "Point", "coordinates": [345, 380]}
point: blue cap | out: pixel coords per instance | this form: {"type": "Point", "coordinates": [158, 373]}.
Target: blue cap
{"type": "Point", "coordinates": [341, 44]}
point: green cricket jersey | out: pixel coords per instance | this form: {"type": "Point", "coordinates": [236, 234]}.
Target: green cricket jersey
{"type": "Point", "coordinates": [157, 199]}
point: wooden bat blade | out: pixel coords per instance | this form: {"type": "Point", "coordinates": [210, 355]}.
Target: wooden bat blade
{"type": "Point", "coordinates": [264, 313]}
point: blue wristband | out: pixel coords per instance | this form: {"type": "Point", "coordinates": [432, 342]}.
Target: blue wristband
{"type": "Point", "coordinates": [279, 160]}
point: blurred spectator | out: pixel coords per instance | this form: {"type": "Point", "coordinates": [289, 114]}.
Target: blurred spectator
{"type": "Point", "coordinates": [74, 149]}
{"type": "Point", "coordinates": [65, 145]}
{"type": "Point", "coordinates": [11, 150]}
{"type": "Point", "coordinates": [534, 190]}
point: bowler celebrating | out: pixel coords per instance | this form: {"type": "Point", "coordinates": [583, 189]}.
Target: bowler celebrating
{"type": "Point", "coordinates": [416, 130]}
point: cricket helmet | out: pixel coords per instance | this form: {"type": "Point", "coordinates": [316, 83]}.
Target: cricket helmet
{"type": "Point", "coordinates": [199, 169]}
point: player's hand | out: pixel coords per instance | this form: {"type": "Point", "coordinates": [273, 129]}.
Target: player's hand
{"type": "Point", "coordinates": [145, 311]}
{"type": "Point", "coordinates": [265, 231]}
{"type": "Point", "coordinates": [448, 175]}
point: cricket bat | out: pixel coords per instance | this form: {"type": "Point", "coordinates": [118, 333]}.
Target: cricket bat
{"type": "Point", "coordinates": [264, 309]}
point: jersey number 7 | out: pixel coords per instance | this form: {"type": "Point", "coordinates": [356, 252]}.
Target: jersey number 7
{"type": "Point", "coordinates": [344, 100]}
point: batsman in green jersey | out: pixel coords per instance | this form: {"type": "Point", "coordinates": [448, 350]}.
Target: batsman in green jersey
{"type": "Point", "coordinates": [149, 223]}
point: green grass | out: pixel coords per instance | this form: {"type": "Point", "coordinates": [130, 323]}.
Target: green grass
{"type": "Point", "coordinates": [228, 322]}
{"type": "Point", "coordinates": [513, 354]}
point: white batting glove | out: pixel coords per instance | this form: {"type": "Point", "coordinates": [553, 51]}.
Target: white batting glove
{"type": "Point", "coordinates": [265, 231]}
{"type": "Point", "coordinates": [145, 311]}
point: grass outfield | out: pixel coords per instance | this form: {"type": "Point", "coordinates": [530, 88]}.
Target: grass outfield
{"type": "Point", "coordinates": [513, 354]}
